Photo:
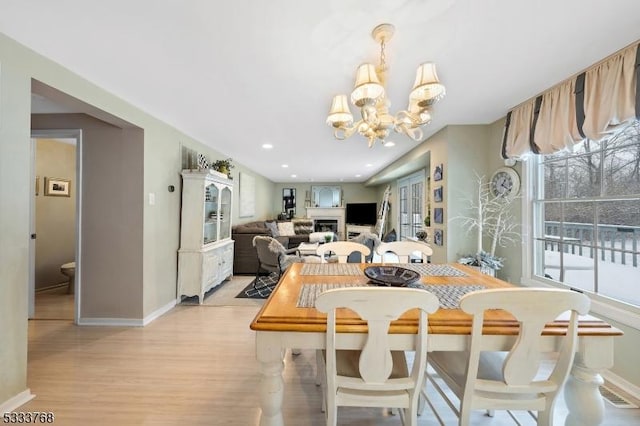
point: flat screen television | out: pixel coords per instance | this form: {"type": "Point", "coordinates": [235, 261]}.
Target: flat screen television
{"type": "Point", "coordinates": [361, 213]}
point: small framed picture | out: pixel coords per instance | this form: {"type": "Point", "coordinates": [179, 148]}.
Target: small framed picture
{"type": "Point", "coordinates": [438, 172]}
{"type": "Point", "coordinates": [438, 237]}
{"type": "Point", "coordinates": [438, 215]}
{"type": "Point", "coordinates": [56, 187]}
{"type": "Point", "coordinates": [437, 195]}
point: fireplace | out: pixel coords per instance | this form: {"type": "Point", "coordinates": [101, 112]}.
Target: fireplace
{"type": "Point", "coordinates": [330, 218]}
{"type": "Point", "coordinates": [326, 225]}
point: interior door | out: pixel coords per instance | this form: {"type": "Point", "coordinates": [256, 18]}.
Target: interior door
{"type": "Point", "coordinates": [411, 196]}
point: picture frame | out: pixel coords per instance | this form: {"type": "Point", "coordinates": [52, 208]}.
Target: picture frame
{"type": "Point", "coordinates": [37, 185]}
{"type": "Point", "coordinates": [57, 187]}
{"type": "Point", "coordinates": [289, 202]}
{"type": "Point", "coordinates": [437, 195]}
{"type": "Point", "coordinates": [438, 172]}
{"type": "Point", "coordinates": [438, 237]}
{"type": "Point", "coordinates": [438, 215]}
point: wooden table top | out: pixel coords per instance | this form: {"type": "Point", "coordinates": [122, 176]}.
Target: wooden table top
{"type": "Point", "coordinates": [280, 313]}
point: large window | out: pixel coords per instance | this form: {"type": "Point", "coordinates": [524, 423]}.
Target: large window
{"type": "Point", "coordinates": [586, 216]}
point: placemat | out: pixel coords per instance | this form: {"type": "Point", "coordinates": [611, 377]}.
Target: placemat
{"type": "Point", "coordinates": [430, 269]}
{"type": "Point", "coordinates": [331, 269]}
{"type": "Point", "coordinates": [448, 295]}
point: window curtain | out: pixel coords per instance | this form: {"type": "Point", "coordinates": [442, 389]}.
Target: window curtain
{"type": "Point", "coordinates": [591, 105]}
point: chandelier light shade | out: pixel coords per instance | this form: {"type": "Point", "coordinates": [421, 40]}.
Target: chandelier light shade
{"type": "Point", "coordinates": [367, 87]}
{"type": "Point", "coordinates": [427, 89]}
{"type": "Point", "coordinates": [370, 97]}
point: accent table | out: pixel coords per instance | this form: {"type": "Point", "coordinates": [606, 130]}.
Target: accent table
{"type": "Point", "coordinates": [280, 325]}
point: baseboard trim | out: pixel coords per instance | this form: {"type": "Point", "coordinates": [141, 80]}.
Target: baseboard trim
{"type": "Point", "coordinates": [17, 401]}
{"type": "Point", "coordinates": [129, 322]}
{"type": "Point", "coordinates": [117, 322]}
{"type": "Point", "coordinates": [159, 312]}
{"type": "Point", "coordinates": [623, 384]}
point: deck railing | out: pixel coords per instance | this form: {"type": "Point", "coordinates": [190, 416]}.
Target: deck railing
{"type": "Point", "coordinates": [612, 243]}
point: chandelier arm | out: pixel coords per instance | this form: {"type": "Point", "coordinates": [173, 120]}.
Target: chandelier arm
{"type": "Point", "coordinates": [344, 132]}
{"type": "Point", "coordinates": [414, 133]}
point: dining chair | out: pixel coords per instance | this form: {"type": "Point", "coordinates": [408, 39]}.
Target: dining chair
{"type": "Point", "coordinates": [342, 250]}
{"type": "Point", "coordinates": [375, 375]}
{"type": "Point", "coordinates": [512, 380]}
{"type": "Point", "coordinates": [404, 249]}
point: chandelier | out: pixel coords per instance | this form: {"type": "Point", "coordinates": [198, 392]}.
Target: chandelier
{"type": "Point", "coordinates": [369, 95]}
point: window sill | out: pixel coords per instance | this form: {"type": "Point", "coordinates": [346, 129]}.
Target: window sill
{"type": "Point", "coordinates": [618, 311]}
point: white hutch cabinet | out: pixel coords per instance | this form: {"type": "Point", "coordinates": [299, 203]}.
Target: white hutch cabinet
{"type": "Point", "coordinates": [205, 258]}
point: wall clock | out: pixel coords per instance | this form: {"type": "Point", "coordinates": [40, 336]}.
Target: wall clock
{"type": "Point", "coordinates": [505, 182]}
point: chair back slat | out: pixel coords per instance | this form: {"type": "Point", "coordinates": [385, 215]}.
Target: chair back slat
{"type": "Point", "coordinates": [533, 309]}
{"type": "Point", "coordinates": [342, 250]}
{"type": "Point", "coordinates": [377, 306]}
{"type": "Point", "coordinates": [404, 249]}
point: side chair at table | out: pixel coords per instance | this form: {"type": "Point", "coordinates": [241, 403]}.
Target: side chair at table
{"type": "Point", "coordinates": [511, 380]}
{"type": "Point", "coordinates": [342, 249]}
{"type": "Point", "coordinates": [404, 249]}
{"type": "Point", "coordinates": [374, 376]}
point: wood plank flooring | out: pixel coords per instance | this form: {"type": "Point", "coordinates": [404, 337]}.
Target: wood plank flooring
{"type": "Point", "coordinates": [194, 365]}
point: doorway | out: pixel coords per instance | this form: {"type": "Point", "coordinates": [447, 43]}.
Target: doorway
{"type": "Point", "coordinates": [54, 249]}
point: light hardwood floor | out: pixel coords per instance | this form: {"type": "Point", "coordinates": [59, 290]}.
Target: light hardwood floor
{"type": "Point", "coordinates": [194, 365]}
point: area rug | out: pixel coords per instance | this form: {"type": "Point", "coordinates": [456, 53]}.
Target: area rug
{"type": "Point", "coordinates": [260, 288]}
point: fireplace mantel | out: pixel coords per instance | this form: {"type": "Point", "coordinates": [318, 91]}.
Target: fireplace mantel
{"type": "Point", "coordinates": [337, 213]}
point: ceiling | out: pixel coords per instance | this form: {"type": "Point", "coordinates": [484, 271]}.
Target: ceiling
{"type": "Point", "coordinates": [239, 74]}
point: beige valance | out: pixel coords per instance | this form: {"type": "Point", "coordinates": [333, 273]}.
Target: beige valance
{"type": "Point", "coordinates": [591, 105]}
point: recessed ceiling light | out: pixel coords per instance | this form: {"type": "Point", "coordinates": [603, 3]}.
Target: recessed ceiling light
{"type": "Point", "coordinates": [285, 166]}
{"type": "Point", "coordinates": [368, 165]}
{"type": "Point", "coordinates": [389, 144]}
{"type": "Point", "coordinates": [358, 175]}
{"type": "Point", "coordinates": [267, 146]}
{"type": "Point", "coordinates": [293, 176]}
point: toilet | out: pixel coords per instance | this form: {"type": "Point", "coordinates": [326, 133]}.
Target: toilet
{"type": "Point", "coordinates": [69, 269]}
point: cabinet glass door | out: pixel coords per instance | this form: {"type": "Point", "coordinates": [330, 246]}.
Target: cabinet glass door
{"type": "Point", "coordinates": [225, 213]}
{"type": "Point", "coordinates": [210, 231]}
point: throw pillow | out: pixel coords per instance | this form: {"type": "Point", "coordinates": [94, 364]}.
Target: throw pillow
{"type": "Point", "coordinates": [303, 226]}
{"type": "Point", "coordinates": [273, 229]}
{"type": "Point", "coordinates": [390, 237]}
{"type": "Point", "coordinates": [285, 229]}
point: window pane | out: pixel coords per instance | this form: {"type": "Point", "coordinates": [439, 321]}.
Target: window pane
{"type": "Point", "coordinates": [630, 134]}
{"type": "Point", "coordinates": [584, 176]}
{"type": "Point", "coordinates": [555, 175]}
{"type": "Point", "coordinates": [622, 170]}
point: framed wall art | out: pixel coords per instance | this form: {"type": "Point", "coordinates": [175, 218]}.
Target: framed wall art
{"type": "Point", "coordinates": [438, 172]}
{"type": "Point", "coordinates": [438, 237]}
{"type": "Point", "coordinates": [437, 195]}
{"type": "Point", "coordinates": [438, 215]}
{"type": "Point", "coordinates": [247, 195]}
{"type": "Point", "coordinates": [56, 187]}
{"type": "Point", "coordinates": [289, 202]}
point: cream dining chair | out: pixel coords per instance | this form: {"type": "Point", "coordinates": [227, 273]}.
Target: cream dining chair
{"type": "Point", "coordinates": [342, 250]}
{"type": "Point", "coordinates": [404, 249]}
{"type": "Point", "coordinates": [511, 380]}
{"type": "Point", "coordinates": [374, 376]}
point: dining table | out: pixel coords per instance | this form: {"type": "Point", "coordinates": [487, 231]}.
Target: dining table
{"type": "Point", "coordinates": [289, 320]}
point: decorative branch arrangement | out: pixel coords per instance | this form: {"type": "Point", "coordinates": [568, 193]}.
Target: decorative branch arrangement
{"type": "Point", "coordinates": [491, 216]}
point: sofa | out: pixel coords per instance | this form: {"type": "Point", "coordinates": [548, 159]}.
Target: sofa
{"type": "Point", "coordinates": [289, 233]}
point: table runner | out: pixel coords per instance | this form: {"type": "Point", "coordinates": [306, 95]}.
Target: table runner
{"type": "Point", "coordinates": [448, 295]}
{"type": "Point", "coordinates": [331, 269]}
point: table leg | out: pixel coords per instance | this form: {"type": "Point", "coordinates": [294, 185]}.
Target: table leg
{"type": "Point", "coordinates": [270, 357]}
{"type": "Point", "coordinates": [583, 398]}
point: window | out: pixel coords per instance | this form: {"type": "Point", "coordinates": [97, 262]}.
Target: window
{"type": "Point", "coordinates": [586, 216]}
